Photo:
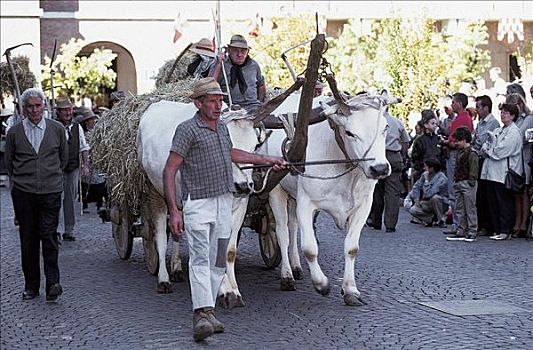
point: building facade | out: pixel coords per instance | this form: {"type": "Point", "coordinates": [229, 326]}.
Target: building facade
{"type": "Point", "coordinates": [141, 33]}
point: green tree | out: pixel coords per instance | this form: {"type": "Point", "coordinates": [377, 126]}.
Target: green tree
{"type": "Point", "coordinates": [267, 49]}
{"type": "Point", "coordinates": [410, 58]}
{"type": "Point", "coordinates": [25, 78]}
{"type": "Point", "coordinates": [79, 76]}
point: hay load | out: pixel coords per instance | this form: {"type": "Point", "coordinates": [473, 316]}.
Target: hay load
{"type": "Point", "coordinates": [113, 142]}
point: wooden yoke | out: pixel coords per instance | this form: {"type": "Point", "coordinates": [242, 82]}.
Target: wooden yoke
{"type": "Point", "coordinates": [274, 103]}
{"type": "Point", "coordinates": [299, 143]}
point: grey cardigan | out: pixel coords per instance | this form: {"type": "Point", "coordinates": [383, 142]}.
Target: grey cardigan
{"type": "Point", "coordinates": [41, 172]}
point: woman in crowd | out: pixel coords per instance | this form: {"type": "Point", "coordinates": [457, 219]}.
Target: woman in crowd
{"type": "Point", "coordinates": [523, 121]}
{"type": "Point", "coordinates": [502, 151]}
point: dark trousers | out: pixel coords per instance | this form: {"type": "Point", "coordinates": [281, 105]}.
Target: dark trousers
{"type": "Point", "coordinates": [38, 216]}
{"type": "Point", "coordinates": [386, 198]}
{"type": "Point", "coordinates": [501, 207]}
{"type": "Point", "coordinates": [482, 202]}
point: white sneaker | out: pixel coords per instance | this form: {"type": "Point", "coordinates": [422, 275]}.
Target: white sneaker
{"type": "Point", "coordinates": [456, 237]}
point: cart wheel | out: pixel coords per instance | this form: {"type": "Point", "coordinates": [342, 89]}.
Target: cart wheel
{"type": "Point", "coordinates": [151, 258]}
{"type": "Point", "coordinates": [122, 236]}
{"type": "Point", "coordinates": [268, 243]}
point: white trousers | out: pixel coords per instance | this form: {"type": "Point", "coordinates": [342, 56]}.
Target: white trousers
{"type": "Point", "coordinates": [208, 228]}
{"type": "Point", "coordinates": [67, 215]}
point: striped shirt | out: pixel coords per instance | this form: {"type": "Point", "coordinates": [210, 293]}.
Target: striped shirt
{"type": "Point", "coordinates": [206, 170]}
{"type": "Point", "coordinates": [34, 133]}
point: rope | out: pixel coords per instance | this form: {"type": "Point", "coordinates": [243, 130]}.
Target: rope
{"type": "Point", "coordinates": [253, 190]}
{"type": "Point", "coordinates": [295, 169]}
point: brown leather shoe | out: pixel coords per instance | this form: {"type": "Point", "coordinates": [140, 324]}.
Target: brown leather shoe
{"type": "Point", "coordinates": [217, 325]}
{"type": "Point", "coordinates": [202, 328]}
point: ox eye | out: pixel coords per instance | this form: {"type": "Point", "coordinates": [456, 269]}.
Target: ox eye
{"type": "Point", "coordinates": [350, 134]}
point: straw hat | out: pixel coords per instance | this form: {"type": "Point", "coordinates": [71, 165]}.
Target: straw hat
{"type": "Point", "coordinates": [203, 47]}
{"type": "Point", "coordinates": [6, 112]}
{"type": "Point", "coordinates": [206, 86]}
{"type": "Point", "coordinates": [238, 41]}
{"type": "Point", "coordinates": [86, 115]}
{"type": "Point", "coordinates": [63, 102]}
{"type": "Point", "coordinates": [117, 96]}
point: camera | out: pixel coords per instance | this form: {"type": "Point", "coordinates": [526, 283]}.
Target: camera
{"type": "Point", "coordinates": [529, 135]}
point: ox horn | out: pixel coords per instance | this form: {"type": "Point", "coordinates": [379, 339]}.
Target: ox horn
{"type": "Point", "coordinates": [271, 105]}
{"type": "Point", "coordinates": [343, 107]}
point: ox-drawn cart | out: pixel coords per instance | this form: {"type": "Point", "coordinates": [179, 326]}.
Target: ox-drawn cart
{"type": "Point", "coordinates": [259, 217]}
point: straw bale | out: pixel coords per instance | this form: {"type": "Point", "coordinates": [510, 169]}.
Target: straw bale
{"type": "Point", "coordinates": [113, 142]}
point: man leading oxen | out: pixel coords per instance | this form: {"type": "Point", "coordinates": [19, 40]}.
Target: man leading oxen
{"type": "Point", "coordinates": [202, 151]}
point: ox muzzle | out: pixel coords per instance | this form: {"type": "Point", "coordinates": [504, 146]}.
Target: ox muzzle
{"type": "Point", "coordinates": [242, 189]}
{"type": "Point", "coordinates": [380, 171]}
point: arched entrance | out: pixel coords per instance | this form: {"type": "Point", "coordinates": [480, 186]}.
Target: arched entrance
{"type": "Point", "coordinates": [123, 65]}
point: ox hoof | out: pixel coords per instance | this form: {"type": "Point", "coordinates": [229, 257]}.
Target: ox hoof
{"type": "Point", "coordinates": [287, 283]}
{"type": "Point", "coordinates": [322, 290]}
{"type": "Point", "coordinates": [164, 288]}
{"type": "Point", "coordinates": [177, 276]}
{"type": "Point", "coordinates": [353, 300]}
{"type": "Point", "coordinates": [230, 301]}
{"type": "Point", "coordinates": [298, 273]}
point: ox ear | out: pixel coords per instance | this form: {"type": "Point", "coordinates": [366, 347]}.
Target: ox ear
{"type": "Point", "coordinates": [328, 110]}
{"type": "Point", "coordinates": [389, 99]}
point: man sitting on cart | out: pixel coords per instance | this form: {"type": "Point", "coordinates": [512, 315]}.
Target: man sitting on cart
{"type": "Point", "coordinates": [202, 150]}
{"type": "Point", "coordinates": [243, 74]}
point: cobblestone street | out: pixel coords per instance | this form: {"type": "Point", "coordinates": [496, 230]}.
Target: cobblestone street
{"type": "Point", "coordinates": [113, 304]}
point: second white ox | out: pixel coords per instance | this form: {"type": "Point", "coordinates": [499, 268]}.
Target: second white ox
{"type": "Point", "coordinates": [156, 130]}
{"type": "Point", "coordinates": [362, 130]}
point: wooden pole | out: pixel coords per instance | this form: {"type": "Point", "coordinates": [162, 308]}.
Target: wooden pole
{"type": "Point", "coordinates": [299, 144]}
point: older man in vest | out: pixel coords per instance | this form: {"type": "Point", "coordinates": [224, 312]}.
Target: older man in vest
{"type": "Point", "coordinates": [77, 145]}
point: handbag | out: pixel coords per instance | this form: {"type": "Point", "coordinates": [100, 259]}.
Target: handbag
{"type": "Point", "coordinates": [514, 182]}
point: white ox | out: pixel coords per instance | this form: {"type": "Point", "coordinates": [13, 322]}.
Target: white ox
{"type": "Point", "coordinates": [156, 130]}
{"type": "Point", "coordinates": [348, 198]}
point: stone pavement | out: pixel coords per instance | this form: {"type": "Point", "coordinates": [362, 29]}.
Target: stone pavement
{"type": "Point", "coordinates": [112, 304]}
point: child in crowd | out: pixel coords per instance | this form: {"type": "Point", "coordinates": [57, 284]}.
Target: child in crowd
{"type": "Point", "coordinates": [465, 186]}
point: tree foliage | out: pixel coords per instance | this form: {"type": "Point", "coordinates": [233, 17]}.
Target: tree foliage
{"type": "Point", "coordinates": [79, 76]}
{"type": "Point", "coordinates": [411, 59]}
{"type": "Point", "coordinates": [25, 78]}
{"type": "Point", "coordinates": [286, 33]}
{"type": "Point", "coordinates": [407, 56]}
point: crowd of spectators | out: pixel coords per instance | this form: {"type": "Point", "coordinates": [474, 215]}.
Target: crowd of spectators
{"type": "Point", "coordinates": [457, 165]}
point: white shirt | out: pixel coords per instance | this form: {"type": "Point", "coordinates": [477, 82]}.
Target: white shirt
{"type": "Point", "coordinates": [34, 133]}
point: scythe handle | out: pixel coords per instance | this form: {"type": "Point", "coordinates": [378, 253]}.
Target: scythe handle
{"type": "Point", "coordinates": [15, 80]}
{"type": "Point", "coordinates": [167, 80]}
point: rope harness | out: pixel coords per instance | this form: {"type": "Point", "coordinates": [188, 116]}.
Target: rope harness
{"type": "Point", "coordinates": [356, 103]}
